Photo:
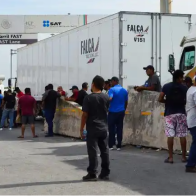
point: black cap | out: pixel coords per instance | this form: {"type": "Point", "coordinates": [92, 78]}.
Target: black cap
{"type": "Point", "coordinates": [73, 88]}
{"type": "Point", "coordinates": [115, 79]}
{"type": "Point", "coordinates": [149, 67]}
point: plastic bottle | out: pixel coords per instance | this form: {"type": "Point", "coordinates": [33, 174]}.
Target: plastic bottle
{"type": "Point", "coordinates": [84, 135]}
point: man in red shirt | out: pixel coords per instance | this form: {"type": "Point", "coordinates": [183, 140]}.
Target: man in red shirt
{"type": "Point", "coordinates": [27, 104]}
{"type": "Point", "coordinates": [19, 92]}
{"type": "Point", "coordinates": [74, 97]}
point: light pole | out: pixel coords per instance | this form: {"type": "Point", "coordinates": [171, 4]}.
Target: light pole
{"type": "Point", "coordinates": [12, 52]}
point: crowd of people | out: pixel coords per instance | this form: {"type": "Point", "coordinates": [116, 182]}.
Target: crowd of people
{"type": "Point", "coordinates": [104, 113]}
{"type": "Point", "coordinates": [179, 97]}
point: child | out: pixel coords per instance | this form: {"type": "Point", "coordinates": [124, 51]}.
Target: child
{"type": "Point", "coordinates": [95, 108]}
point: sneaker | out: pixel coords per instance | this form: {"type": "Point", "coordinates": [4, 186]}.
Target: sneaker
{"type": "Point", "coordinates": [90, 177]}
{"type": "Point", "coordinates": [10, 129]}
{"type": "Point", "coordinates": [1, 129]}
{"type": "Point", "coordinates": [118, 149]}
{"type": "Point", "coordinates": [103, 177]}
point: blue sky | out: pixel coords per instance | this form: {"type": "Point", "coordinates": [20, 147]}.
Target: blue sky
{"type": "Point", "coordinates": [55, 7]}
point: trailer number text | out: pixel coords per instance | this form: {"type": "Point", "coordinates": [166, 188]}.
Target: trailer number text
{"type": "Point", "coordinates": [139, 39]}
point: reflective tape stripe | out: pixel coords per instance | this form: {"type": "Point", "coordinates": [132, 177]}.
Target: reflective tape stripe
{"type": "Point", "coordinates": [146, 113]}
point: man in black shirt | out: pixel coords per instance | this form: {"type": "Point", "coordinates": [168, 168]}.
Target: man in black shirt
{"type": "Point", "coordinates": [50, 107]}
{"type": "Point", "coordinates": [82, 93]}
{"type": "Point", "coordinates": [95, 108]}
{"type": "Point", "coordinates": [8, 104]}
{"type": "Point", "coordinates": [174, 96]}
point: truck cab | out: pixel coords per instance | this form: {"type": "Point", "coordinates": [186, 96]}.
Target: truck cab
{"type": "Point", "coordinates": [187, 59]}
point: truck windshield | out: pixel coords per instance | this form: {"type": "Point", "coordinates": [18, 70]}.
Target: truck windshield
{"type": "Point", "coordinates": [188, 58]}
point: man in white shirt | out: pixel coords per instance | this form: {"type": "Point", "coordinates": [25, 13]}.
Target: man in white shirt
{"type": "Point", "coordinates": [191, 121]}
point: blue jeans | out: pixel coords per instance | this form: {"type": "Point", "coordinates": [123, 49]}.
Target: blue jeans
{"type": "Point", "coordinates": [49, 115]}
{"type": "Point", "coordinates": [115, 125]}
{"type": "Point", "coordinates": [192, 153]}
{"type": "Point", "coordinates": [7, 113]}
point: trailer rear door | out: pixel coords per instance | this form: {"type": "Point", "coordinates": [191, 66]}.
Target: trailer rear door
{"type": "Point", "coordinates": [136, 47]}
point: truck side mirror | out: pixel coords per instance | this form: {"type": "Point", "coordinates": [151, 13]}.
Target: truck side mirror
{"type": "Point", "coordinates": [9, 83]}
{"type": "Point", "coordinates": [171, 62]}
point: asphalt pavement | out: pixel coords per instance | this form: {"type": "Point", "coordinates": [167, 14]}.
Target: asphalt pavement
{"type": "Point", "coordinates": [55, 166]}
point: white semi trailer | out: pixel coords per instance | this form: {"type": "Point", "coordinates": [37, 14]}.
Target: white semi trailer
{"type": "Point", "coordinates": [117, 45]}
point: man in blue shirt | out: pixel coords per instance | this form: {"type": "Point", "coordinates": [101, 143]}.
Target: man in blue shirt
{"type": "Point", "coordinates": [1, 99]}
{"type": "Point", "coordinates": [118, 104]}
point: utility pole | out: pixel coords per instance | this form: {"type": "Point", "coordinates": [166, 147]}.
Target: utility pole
{"type": "Point", "coordinates": [166, 6]}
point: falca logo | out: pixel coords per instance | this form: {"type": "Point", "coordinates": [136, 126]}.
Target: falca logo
{"type": "Point", "coordinates": [140, 32]}
{"type": "Point", "coordinates": [88, 48]}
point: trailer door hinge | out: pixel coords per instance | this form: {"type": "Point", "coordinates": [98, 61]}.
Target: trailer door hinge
{"type": "Point", "coordinates": [123, 44]}
{"type": "Point", "coordinates": [123, 60]}
{"type": "Point", "coordinates": [123, 77]}
{"type": "Point", "coordinates": [188, 22]}
{"type": "Point", "coordinates": [123, 19]}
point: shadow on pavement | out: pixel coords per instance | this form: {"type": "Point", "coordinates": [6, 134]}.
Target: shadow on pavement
{"type": "Point", "coordinates": [7, 186]}
{"type": "Point", "coordinates": [137, 170]}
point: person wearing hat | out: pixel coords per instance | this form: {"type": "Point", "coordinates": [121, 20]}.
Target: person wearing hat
{"type": "Point", "coordinates": [75, 92]}
{"type": "Point", "coordinates": [118, 97]}
{"type": "Point", "coordinates": [153, 82]}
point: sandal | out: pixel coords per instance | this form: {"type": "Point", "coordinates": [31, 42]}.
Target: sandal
{"type": "Point", "coordinates": [184, 160]}
{"type": "Point", "coordinates": [35, 136]}
{"type": "Point", "coordinates": [168, 161]}
{"type": "Point", "coordinates": [21, 137]}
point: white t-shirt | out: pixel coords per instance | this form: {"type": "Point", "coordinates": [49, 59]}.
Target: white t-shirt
{"type": "Point", "coordinates": [191, 107]}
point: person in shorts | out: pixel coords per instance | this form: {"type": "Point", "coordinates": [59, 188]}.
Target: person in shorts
{"type": "Point", "coordinates": [174, 96]}
{"type": "Point", "coordinates": [95, 108]}
{"type": "Point", "coordinates": [27, 105]}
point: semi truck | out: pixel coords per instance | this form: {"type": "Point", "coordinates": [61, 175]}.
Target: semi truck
{"type": "Point", "coordinates": [118, 45]}
{"type": "Point", "coordinates": [187, 59]}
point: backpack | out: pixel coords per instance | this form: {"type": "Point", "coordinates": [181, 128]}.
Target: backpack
{"type": "Point", "coordinates": [176, 96]}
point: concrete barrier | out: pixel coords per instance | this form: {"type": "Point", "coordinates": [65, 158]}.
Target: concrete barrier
{"type": "Point", "coordinates": [143, 124]}
{"type": "Point", "coordinates": [67, 119]}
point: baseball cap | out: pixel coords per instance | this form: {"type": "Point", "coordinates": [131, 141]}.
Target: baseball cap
{"type": "Point", "coordinates": [115, 79]}
{"type": "Point", "coordinates": [148, 67]}
{"type": "Point", "coordinates": [73, 87]}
